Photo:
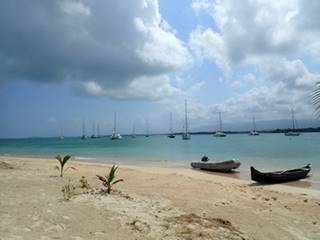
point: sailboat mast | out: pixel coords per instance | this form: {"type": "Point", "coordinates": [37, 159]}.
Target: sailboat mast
{"type": "Point", "coordinates": [254, 123]}
{"type": "Point", "coordinates": [83, 128]}
{"type": "Point", "coordinates": [293, 122]}
{"type": "Point", "coordinates": [171, 123]}
{"type": "Point", "coordinates": [98, 130]}
{"type": "Point", "coordinates": [220, 121]}
{"type": "Point", "coordinates": [186, 116]}
{"type": "Point", "coordinates": [115, 122]}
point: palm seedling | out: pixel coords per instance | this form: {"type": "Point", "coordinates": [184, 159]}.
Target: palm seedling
{"type": "Point", "coordinates": [316, 98]}
{"type": "Point", "coordinates": [109, 180]}
{"type": "Point", "coordinates": [63, 161]}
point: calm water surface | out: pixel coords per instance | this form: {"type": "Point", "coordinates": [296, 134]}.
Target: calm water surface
{"type": "Point", "coordinates": [267, 151]}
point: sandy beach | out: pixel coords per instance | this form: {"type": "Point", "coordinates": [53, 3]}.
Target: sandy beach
{"type": "Point", "coordinates": [151, 203]}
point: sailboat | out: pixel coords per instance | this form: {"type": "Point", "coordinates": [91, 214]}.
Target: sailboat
{"type": "Point", "coordinates": [220, 133]}
{"type": "Point", "coordinates": [61, 133]}
{"type": "Point", "coordinates": [254, 132]}
{"type": "Point", "coordinates": [93, 131]}
{"type": "Point", "coordinates": [98, 131]}
{"type": "Point", "coordinates": [292, 132]}
{"type": "Point", "coordinates": [133, 135]}
{"type": "Point", "coordinates": [186, 135]}
{"type": "Point", "coordinates": [84, 134]}
{"type": "Point", "coordinates": [115, 135]}
{"type": "Point", "coordinates": [171, 135]}
{"type": "Point", "coordinates": [147, 126]}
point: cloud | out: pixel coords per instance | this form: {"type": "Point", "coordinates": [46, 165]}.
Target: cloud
{"type": "Point", "coordinates": [261, 48]}
{"type": "Point", "coordinates": [107, 47]}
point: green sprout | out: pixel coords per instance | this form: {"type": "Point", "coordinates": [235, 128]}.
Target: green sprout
{"type": "Point", "coordinates": [63, 162]}
{"type": "Point", "coordinates": [109, 180]}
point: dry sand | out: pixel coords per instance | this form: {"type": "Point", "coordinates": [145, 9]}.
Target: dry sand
{"type": "Point", "coordinates": [152, 203]}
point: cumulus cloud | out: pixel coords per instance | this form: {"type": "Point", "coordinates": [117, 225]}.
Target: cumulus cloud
{"type": "Point", "coordinates": [108, 47]}
{"type": "Point", "coordinates": [261, 45]}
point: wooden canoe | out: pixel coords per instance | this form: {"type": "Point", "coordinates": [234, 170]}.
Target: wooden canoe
{"type": "Point", "coordinates": [224, 166]}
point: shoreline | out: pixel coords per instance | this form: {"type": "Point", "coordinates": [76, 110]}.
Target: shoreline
{"type": "Point", "coordinates": [295, 186]}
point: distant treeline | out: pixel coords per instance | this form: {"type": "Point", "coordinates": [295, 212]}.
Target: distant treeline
{"type": "Point", "coordinates": [282, 130]}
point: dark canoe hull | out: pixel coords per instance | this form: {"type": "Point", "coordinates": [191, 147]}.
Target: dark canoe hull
{"type": "Point", "coordinates": [225, 166]}
{"type": "Point", "coordinates": [280, 176]}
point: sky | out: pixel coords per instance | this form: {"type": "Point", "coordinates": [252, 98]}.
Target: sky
{"type": "Point", "coordinates": [68, 61]}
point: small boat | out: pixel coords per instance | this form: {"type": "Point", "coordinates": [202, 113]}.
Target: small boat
{"type": "Point", "coordinates": [293, 132]}
{"type": "Point", "coordinates": [171, 135]}
{"type": "Point", "coordinates": [186, 135]}
{"type": "Point", "coordinates": [84, 134]}
{"type": "Point", "coordinates": [220, 133]}
{"type": "Point", "coordinates": [254, 132]}
{"type": "Point", "coordinates": [115, 135]}
{"type": "Point", "coordinates": [280, 176]}
{"type": "Point", "coordinates": [224, 166]}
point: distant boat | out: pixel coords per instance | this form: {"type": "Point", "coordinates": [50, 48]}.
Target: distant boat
{"type": "Point", "coordinates": [186, 135]}
{"type": "Point", "coordinates": [84, 132]}
{"type": "Point", "coordinates": [292, 133]}
{"type": "Point", "coordinates": [98, 131]}
{"type": "Point", "coordinates": [254, 132]}
{"type": "Point", "coordinates": [147, 127]}
{"type": "Point", "coordinates": [115, 135]}
{"type": "Point", "coordinates": [280, 176]}
{"type": "Point", "coordinates": [171, 135]}
{"type": "Point", "coordinates": [93, 131]}
{"type": "Point", "coordinates": [61, 134]}
{"type": "Point", "coordinates": [220, 133]}
{"type": "Point", "coordinates": [223, 166]}
{"type": "Point", "coordinates": [133, 135]}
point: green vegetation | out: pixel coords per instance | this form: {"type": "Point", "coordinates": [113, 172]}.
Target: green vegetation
{"type": "Point", "coordinates": [109, 180]}
{"type": "Point", "coordinates": [63, 162]}
{"type": "Point", "coordinates": [84, 182]}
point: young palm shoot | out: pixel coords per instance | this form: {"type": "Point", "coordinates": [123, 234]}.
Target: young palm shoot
{"type": "Point", "coordinates": [109, 180]}
{"type": "Point", "coordinates": [63, 161]}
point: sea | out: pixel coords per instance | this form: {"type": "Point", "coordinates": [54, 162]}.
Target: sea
{"type": "Point", "coordinates": [266, 152]}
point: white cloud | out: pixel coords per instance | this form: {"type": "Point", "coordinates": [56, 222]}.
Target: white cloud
{"type": "Point", "coordinates": [261, 45]}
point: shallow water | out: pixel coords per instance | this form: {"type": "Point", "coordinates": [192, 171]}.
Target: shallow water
{"type": "Point", "coordinates": [266, 152]}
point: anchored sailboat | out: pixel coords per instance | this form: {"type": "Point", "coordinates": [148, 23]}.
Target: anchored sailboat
{"type": "Point", "coordinates": [115, 135]}
{"type": "Point", "coordinates": [292, 132]}
{"type": "Point", "coordinates": [93, 131]}
{"type": "Point", "coordinates": [186, 135]}
{"type": "Point", "coordinates": [98, 131]}
{"type": "Point", "coordinates": [220, 133]}
{"type": "Point", "coordinates": [254, 132]}
{"type": "Point", "coordinates": [84, 132]}
{"type": "Point", "coordinates": [133, 135]}
{"type": "Point", "coordinates": [147, 127]}
{"type": "Point", "coordinates": [171, 135]}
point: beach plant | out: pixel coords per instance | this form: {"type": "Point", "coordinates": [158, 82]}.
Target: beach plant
{"type": "Point", "coordinates": [84, 182]}
{"type": "Point", "coordinates": [316, 98]}
{"type": "Point", "coordinates": [62, 162]}
{"type": "Point", "coordinates": [109, 179]}
{"type": "Point", "coordinates": [68, 191]}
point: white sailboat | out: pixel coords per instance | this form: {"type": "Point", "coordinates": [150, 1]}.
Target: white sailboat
{"type": "Point", "coordinates": [61, 134]}
{"type": "Point", "coordinates": [93, 131]}
{"type": "Point", "coordinates": [98, 131]}
{"type": "Point", "coordinates": [186, 135]}
{"type": "Point", "coordinates": [171, 135]}
{"type": "Point", "coordinates": [254, 132]}
{"type": "Point", "coordinates": [84, 132]}
{"type": "Point", "coordinates": [133, 135]}
{"type": "Point", "coordinates": [292, 133]}
{"type": "Point", "coordinates": [115, 135]}
{"type": "Point", "coordinates": [147, 127]}
{"type": "Point", "coordinates": [220, 133]}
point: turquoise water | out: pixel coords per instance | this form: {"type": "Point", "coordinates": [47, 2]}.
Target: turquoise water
{"type": "Point", "coordinates": [267, 151]}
